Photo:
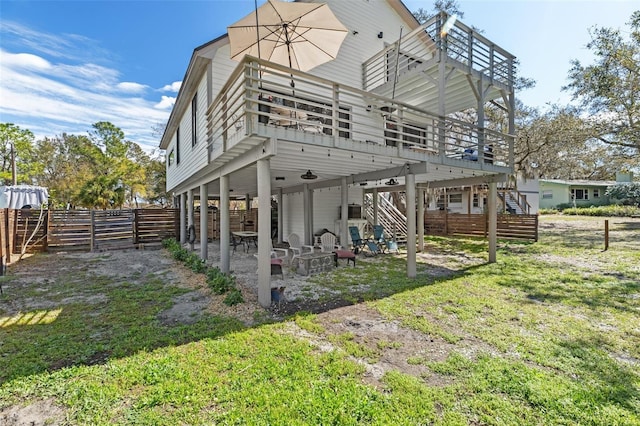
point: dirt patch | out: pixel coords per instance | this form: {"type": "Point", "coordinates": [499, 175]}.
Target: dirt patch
{"type": "Point", "coordinates": [39, 413]}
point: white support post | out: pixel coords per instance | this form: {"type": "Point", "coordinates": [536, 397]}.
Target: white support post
{"type": "Point", "coordinates": [225, 229]}
{"type": "Point", "coordinates": [264, 232]}
{"type": "Point", "coordinates": [492, 221]}
{"type": "Point", "coordinates": [344, 213]}
{"type": "Point", "coordinates": [190, 213]}
{"type": "Point", "coordinates": [374, 198]}
{"type": "Point", "coordinates": [183, 218]}
{"type": "Point", "coordinates": [306, 214]}
{"type": "Point", "coordinates": [280, 217]}
{"type": "Point", "coordinates": [204, 219]}
{"type": "Point", "coordinates": [411, 224]}
{"type": "Point", "coordinates": [420, 219]}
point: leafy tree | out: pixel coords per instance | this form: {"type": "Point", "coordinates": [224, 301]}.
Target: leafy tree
{"type": "Point", "coordinates": [65, 167]}
{"type": "Point", "coordinates": [22, 141]}
{"type": "Point", "coordinates": [627, 193]}
{"type": "Point", "coordinates": [610, 87]}
{"type": "Point", "coordinates": [102, 192]}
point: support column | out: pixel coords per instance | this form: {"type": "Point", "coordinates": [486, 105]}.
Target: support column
{"type": "Point", "coordinates": [204, 221]}
{"type": "Point", "coordinates": [306, 204]}
{"type": "Point", "coordinates": [225, 229]}
{"type": "Point", "coordinates": [190, 214]}
{"type": "Point", "coordinates": [374, 198]}
{"type": "Point", "coordinates": [280, 217]}
{"type": "Point", "coordinates": [492, 221]}
{"type": "Point", "coordinates": [183, 217]}
{"type": "Point", "coordinates": [411, 224]}
{"type": "Point", "coordinates": [420, 219]}
{"type": "Point", "coordinates": [344, 213]}
{"type": "Point", "coordinates": [264, 232]}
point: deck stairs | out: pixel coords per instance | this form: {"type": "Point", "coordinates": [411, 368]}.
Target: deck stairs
{"type": "Point", "coordinates": [392, 219]}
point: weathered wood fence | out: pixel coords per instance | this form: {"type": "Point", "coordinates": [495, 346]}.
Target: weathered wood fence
{"type": "Point", "coordinates": [36, 231]}
{"type": "Point", "coordinates": [520, 226]}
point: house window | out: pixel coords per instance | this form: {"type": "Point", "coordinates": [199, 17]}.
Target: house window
{"type": "Point", "coordinates": [194, 120]}
{"type": "Point", "coordinates": [178, 146]}
{"type": "Point", "coordinates": [171, 158]}
{"type": "Point", "coordinates": [547, 194]}
{"type": "Point", "coordinates": [452, 199]}
{"type": "Point", "coordinates": [580, 194]}
{"type": "Point", "coordinates": [596, 193]}
{"type": "Point", "coordinates": [476, 200]}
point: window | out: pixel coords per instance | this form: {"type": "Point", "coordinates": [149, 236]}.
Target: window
{"type": "Point", "coordinates": [579, 194]}
{"type": "Point", "coordinates": [476, 200]}
{"type": "Point", "coordinates": [171, 158]}
{"type": "Point", "coordinates": [453, 199]}
{"type": "Point", "coordinates": [194, 120]}
{"type": "Point", "coordinates": [547, 194]}
{"type": "Point", "coordinates": [596, 193]}
{"type": "Point", "coordinates": [178, 145]}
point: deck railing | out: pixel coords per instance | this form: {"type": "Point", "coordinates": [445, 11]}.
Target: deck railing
{"type": "Point", "coordinates": [260, 95]}
{"type": "Point", "coordinates": [462, 44]}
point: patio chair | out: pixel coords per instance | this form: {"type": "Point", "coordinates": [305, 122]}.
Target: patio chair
{"type": "Point", "coordinates": [328, 243]}
{"type": "Point", "coordinates": [378, 237]}
{"type": "Point", "coordinates": [296, 247]}
{"type": "Point", "coordinates": [278, 253]}
{"type": "Point", "coordinates": [235, 242]}
{"type": "Point", "coordinates": [356, 240]}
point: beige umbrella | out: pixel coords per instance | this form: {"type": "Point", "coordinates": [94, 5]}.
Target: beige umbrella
{"type": "Point", "coordinates": [298, 35]}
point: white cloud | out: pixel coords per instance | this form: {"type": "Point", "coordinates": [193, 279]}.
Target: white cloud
{"type": "Point", "coordinates": [131, 87]}
{"type": "Point", "coordinates": [173, 87]}
{"type": "Point", "coordinates": [25, 61]}
{"type": "Point", "coordinates": [50, 98]}
{"type": "Point", "coordinates": [166, 102]}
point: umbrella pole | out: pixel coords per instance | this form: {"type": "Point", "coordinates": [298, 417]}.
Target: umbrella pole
{"type": "Point", "coordinates": [255, 4]}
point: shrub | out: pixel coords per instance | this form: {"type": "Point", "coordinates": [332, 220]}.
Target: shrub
{"type": "Point", "coordinates": [233, 298]}
{"type": "Point", "coordinates": [220, 282]}
{"type": "Point", "coordinates": [548, 211]}
{"type": "Point", "coordinates": [611, 210]}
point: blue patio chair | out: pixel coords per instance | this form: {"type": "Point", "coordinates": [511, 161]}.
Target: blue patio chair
{"type": "Point", "coordinates": [378, 237]}
{"type": "Point", "coordinates": [356, 240]}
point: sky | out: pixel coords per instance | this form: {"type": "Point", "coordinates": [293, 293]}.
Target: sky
{"type": "Point", "coordinates": [65, 65]}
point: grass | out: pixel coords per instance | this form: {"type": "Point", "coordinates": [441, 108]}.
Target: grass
{"type": "Point", "coordinates": [547, 335]}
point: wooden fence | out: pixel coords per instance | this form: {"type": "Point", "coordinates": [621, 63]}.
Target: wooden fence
{"type": "Point", "coordinates": [35, 231]}
{"type": "Point", "coordinates": [524, 227]}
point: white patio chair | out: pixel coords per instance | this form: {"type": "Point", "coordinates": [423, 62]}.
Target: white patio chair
{"type": "Point", "coordinates": [328, 243]}
{"type": "Point", "coordinates": [296, 247]}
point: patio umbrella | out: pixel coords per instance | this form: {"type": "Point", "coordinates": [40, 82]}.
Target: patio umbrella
{"type": "Point", "coordinates": [298, 35]}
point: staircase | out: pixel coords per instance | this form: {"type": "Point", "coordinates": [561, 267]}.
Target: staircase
{"type": "Point", "coordinates": [513, 201]}
{"type": "Point", "coordinates": [392, 219]}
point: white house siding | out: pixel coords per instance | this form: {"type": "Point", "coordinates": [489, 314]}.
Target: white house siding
{"type": "Point", "coordinates": [368, 18]}
{"type": "Point", "coordinates": [326, 204]}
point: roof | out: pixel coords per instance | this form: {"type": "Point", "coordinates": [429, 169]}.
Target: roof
{"type": "Point", "coordinates": [583, 182]}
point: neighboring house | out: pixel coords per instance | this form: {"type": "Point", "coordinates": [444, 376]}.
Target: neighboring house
{"type": "Point", "coordinates": [374, 119]}
{"type": "Point", "coordinates": [581, 193]}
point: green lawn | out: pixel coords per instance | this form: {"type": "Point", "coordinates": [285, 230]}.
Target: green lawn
{"type": "Point", "coordinates": [549, 335]}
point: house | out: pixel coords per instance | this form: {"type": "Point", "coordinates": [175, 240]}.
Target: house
{"type": "Point", "coordinates": [579, 193]}
{"type": "Point", "coordinates": [377, 118]}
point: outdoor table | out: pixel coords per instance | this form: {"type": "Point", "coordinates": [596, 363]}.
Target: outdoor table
{"type": "Point", "coordinates": [247, 237]}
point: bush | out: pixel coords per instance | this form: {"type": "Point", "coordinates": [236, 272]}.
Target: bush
{"type": "Point", "coordinates": [548, 211]}
{"type": "Point", "coordinates": [220, 282]}
{"type": "Point", "coordinates": [612, 210]}
{"type": "Point", "coordinates": [233, 298]}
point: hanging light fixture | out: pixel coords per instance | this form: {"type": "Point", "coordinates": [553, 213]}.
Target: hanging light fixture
{"type": "Point", "coordinates": [308, 176]}
{"type": "Point", "coordinates": [392, 182]}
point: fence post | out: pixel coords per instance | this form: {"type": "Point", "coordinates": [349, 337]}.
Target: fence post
{"type": "Point", "coordinates": [135, 226]}
{"type": "Point", "coordinates": [92, 230]}
{"type": "Point", "coordinates": [606, 234]}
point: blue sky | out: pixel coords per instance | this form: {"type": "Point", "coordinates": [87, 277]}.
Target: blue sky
{"type": "Point", "coordinates": [65, 65]}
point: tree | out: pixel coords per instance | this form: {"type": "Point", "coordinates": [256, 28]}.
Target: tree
{"type": "Point", "coordinates": [610, 88]}
{"type": "Point", "coordinates": [22, 142]}
{"type": "Point", "coordinates": [627, 193]}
